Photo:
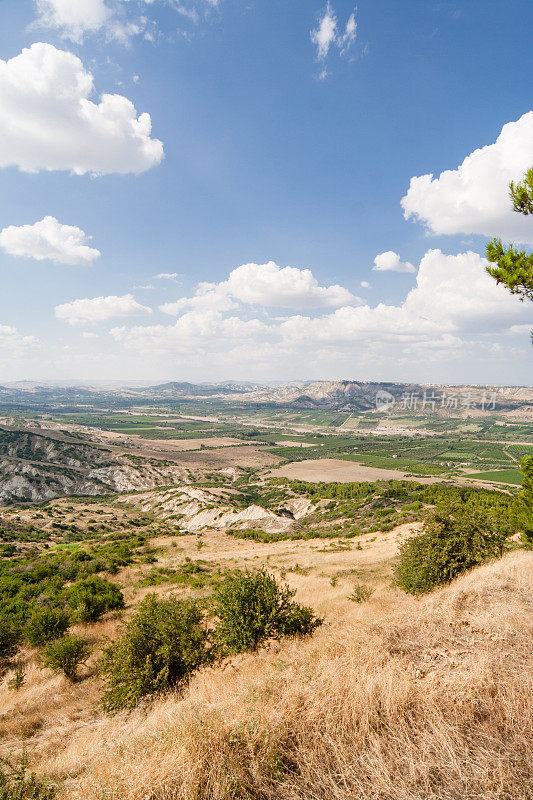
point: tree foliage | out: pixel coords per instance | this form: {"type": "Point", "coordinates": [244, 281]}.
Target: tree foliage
{"type": "Point", "coordinates": [46, 624]}
{"type": "Point", "coordinates": [10, 639]}
{"type": "Point", "coordinates": [65, 655]}
{"type": "Point", "coordinates": [522, 194]}
{"type": "Point", "coordinates": [252, 607]}
{"type": "Point", "coordinates": [523, 516]}
{"type": "Point", "coordinates": [454, 540]}
{"type": "Point", "coordinates": [514, 268]}
{"type": "Point", "coordinates": [159, 649]}
{"type": "Point", "coordinates": [91, 597]}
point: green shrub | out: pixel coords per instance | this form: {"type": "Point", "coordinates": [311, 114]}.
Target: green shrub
{"type": "Point", "coordinates": [523, 506]}
{"type": "Point", "coordinates": [91, 597]}
{"type": "Point", "coordinates": [10, 638]}
{"type": "Point", "coordinates": [454, 540]}
{"type": "Point", "coordinates": [159, 649]}
{"type": "Point", "coordinates": [361, 593]}
{"type": "Point", "coordinates": [46, 624]}
{"type": "Point", "coordinates": [252, 608]}
{"type": "Point", "coordinates": [65, 655]}
{"type": "Point", "coordinates": [19, 676]}
{"type": "Point", "coordinates": [17, 783]}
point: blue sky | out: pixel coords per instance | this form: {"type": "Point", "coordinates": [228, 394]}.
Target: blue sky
{"type": "Point", "coordinates": [274, 151]}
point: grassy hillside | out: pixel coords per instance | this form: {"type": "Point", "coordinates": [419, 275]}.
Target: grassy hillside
{"type": "Point", "coordinates": [397, 699]}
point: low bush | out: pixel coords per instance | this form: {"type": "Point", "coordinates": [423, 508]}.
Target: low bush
{"type": "Point", "coordinates": [18, 783]}
{"type": "Point", "coordinates": [65, 655]}
{"type": "Point", "coordinates": [252, 607]}
{"type": "Point", "coordinates": [10, 638]}
{"type": "Point", "coordinates": [361, 593]}
{"type": "Point", "coordinates": [523, 507]}
{"type": "Point", "coordinates": [453, 540]}
{"type": "Point", "coordinates": [91, 597]}
{"type": "Point", "coordinates": [159, 649]}
{"type": "Point", "coordinates": [46, 624]}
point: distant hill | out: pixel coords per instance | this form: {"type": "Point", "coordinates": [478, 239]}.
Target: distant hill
{"type": "Point", "coordinates": [184, 389]}
{"type": "Point", "coordinates": [339, 395]}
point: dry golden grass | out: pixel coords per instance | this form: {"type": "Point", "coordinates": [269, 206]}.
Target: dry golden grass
{"type": "Point", "coordinates": [397, 700]}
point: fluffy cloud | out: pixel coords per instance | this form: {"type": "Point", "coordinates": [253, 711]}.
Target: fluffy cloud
{"type": "Point", "coordinates": [100, 309]}
{"type": "Point", "coordinates": [48, 122]}
{"type": "Point", "coordinates": [206, 300]}
{"type": "Point", "coordinates": [437, 321]}
{"type": "Point", "coordinates": [474, 198]}
{"type": "Point", "coordinates": [266, 285]}
{"type": "Point", "coordinates": [73, 18]}
{"type": "Point", "coordinates": [283, 287]}
{"type": "Point", "coordinates": [391, 262]}
{"type": "Point", "coordinates": [48, 239]}
{"type": "Point", "coordinates": [436, 309]}
{"type": "Point", "coordinates": [116, 19]}
{"type": "Point", "coordinates": [194, 332]}
{"type": "Point", "coordinates": [327, 34]}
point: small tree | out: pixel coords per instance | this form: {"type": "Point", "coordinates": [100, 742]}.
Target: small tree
{"type": "Point", "coordinates": [91, 597]}
{"type": "Point", "coordinates": [46, 624]}
{"type": "Point", "coordinates": [454, 540]}
{"type": "Point", "coordinates": [252, 608]}
{"type": "Point", "coordinates": [159, 649]}
{"type": "Point", "coordinates": [65, 655]}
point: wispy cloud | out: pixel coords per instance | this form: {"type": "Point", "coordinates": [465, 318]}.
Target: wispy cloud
{"type": "Point", "coordinates": [329, 34]}
{"type": "Point", "coordinates": [167, 276]}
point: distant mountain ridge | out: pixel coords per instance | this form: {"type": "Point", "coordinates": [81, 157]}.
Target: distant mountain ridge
{"type": "Point", "coordinates": [337, 395]}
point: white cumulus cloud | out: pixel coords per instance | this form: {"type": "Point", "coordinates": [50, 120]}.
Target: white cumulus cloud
{"type": "Point", "coordinates": [474, 198]}
{"type": "Point", "coordinates": [219, 327]}
{"type": "Point", "coordinates": [74, 18]}
{"type": "Point", "coordinates": [48, 239]}
{"type": "Point", "coordinates": [437, 306]}
{"type": "Point", "coordinates": [436, 323]}
{"type": "Point", "coordinates": [49, 122]}
{"type": "Point", "coordinates": [389, 261]}
{"type": "Point", "coordinates": [100, 309]}
{"type": "Point", "coordinates": [283, 287]}
{"type": "Point", "coordinates": [267, 285]}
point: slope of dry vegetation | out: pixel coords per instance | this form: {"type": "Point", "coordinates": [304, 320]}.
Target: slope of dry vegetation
{"type": "Point", "coordinates": [398, 700]}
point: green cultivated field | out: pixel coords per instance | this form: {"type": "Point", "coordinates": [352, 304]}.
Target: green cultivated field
{"type": "Point", "coordinates": [500, 476]}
